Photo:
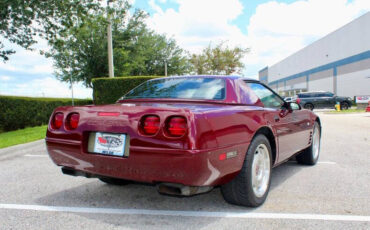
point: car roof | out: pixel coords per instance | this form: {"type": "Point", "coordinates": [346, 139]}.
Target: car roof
{"type": "Point", "coordinates": [232, 77]}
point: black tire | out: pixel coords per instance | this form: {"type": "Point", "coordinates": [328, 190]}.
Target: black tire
{"type": "Point", "coordinates": [344, 106]}
{"type": "Point", "coordinates": [240, 191]}
{"type": "Point", "coordinates": [308, 156]}
{"type": "Point", "coordinates": [308, 106]}
{"type": "Point", "coordinates": [114, 181]}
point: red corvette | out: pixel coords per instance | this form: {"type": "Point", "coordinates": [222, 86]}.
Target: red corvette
{"type": "Point", "coordinates": [187, 135]}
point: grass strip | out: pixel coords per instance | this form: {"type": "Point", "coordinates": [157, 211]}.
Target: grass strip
{"type": "Point", "coordinates": [346, 111]}
{"type": "Point", "coordinates": [22, 136]}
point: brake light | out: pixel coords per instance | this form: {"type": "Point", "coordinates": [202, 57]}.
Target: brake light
{"type": "Point", "coordinates": [176, 126]}
{"type": "Point", "coordinates": [108, 114]}
{"type": "Point", "coordinates": [72, 120]}
{"type": "Point", "coordinates": [150, 124]}
{"type": "Point", "coordinates": [57, 121]}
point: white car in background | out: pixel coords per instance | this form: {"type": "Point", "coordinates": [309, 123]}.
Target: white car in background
{"type": "Point", "coordinates": [289, 99]}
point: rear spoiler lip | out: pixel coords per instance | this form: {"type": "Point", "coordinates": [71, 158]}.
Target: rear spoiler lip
{"type": "Point", "coordinates": [170, 100]}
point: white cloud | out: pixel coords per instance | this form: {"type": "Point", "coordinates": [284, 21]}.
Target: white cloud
{"type": "Point", "coordinates": [275, 31]}
{"type": "Point", "coordinates": [43, 68]}
{"type": "Point", "coordinates": [24, 63]}
{"type": "Point", "coordinates": [46, 87]}
{"type": "Point", "coordinates": [290, 27]}
{"type": "Point", "coordinates": [28, 61]}
{"type": "Point", "coordinates": [197, 23]}
{"type": "Point", "coordinates": [4, 78]}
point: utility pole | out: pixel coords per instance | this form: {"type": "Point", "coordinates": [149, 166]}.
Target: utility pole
{"type": "Point", "coordinates": [110, 44]}
{"type": "Point", "coordinates": [165, 68]}
{"type": "Point", "coordinates": [73, 101]}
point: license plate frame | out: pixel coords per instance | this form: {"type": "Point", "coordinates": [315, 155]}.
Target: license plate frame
{"type": "Point", "coordinates": [109, 144]}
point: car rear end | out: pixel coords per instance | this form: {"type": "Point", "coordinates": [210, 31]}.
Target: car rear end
{"type": "Point", "coordinates": [137, 142]}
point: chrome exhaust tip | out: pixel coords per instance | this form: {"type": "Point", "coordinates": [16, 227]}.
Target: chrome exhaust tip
{"type": "Point", "coordinates": [181, 190]}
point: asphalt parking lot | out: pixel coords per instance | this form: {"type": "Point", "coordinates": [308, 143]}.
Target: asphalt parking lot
{"type": "Point", "coordinates": [334, 194]}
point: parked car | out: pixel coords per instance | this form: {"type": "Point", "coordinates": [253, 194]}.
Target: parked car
{"type": "Point", "coordinates": [316, 100]}
{"type": "Point", "coordinates": [187, 135]}
{"type": "Point", "coordinates": [289, 99]}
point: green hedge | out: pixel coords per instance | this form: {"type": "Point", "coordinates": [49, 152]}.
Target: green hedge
{"type": "Point", "coordinates": [109, 90]}
{"type": "Point", "coordinates": [20, 112]}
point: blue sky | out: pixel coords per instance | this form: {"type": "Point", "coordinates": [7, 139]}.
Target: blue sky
{"type": "Point", "coordinates": [273, 30]}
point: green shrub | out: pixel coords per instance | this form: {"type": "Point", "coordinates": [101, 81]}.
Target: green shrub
{"type": "Point", "coordinates": [20, 112]}
{"type": "Point", "coordinates": [109, 90]}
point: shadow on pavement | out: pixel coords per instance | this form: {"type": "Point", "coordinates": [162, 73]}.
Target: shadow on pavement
{"type": "Point", "coordinates": [96, 194]}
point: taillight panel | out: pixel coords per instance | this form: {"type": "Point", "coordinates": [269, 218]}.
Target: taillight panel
{"type": "Point", "coordinates": [149, 125]}
{"type": "Point", "coordinates": [57, 120]}
{"type": "Point", "coordinates": [175, 126]}
{"type": "Point", "coordinates": [72, 121]}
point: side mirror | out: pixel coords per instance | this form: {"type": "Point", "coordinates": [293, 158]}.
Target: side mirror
{"type": "Point", "coordinates": [289, 107]}
{"type": "Point", "coordinates": [294, 106]}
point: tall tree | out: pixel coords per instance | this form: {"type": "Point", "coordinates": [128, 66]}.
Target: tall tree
{"type": "Point", "coordinates": [80, 53]}
{"type": "Point", "coordinates": [23, 21]}
{"type": "Point", "coordinates": [219, 59]}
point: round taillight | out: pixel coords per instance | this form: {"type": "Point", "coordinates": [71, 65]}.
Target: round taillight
{"type": "Point", "coordinates": [150, 124]}
{"type": "Point", "coordinates": [176, 126]}
{"type": "Point", "coordinates": [57, 121]}
{"type": "Point", "coordinates": [72, 120]}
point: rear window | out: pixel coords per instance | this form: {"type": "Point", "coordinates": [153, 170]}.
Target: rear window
{"type": "Point", "coordinates": [267, 97]}
{"type": "Point", "coordinates": [182, 88]}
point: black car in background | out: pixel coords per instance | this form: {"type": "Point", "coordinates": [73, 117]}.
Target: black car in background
{"type": "Point", "coordinates": [316, 100]}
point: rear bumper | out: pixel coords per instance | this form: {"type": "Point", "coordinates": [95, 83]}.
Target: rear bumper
{"type": "Point", "coordinates": [187, 167]}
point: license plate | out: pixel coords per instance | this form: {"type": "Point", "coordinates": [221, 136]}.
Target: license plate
{"type": "Point", "coordinates": [112, 144]}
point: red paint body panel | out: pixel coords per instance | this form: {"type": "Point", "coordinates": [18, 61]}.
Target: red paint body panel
{"type": "Point", "coordinates": [214, 128]}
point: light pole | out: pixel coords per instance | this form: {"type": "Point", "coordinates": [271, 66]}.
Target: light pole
{"type": "Point", "coordinates": [110, 44]}
{"type": "Point", "coordinates": [165, 68]}
{"type": "Point", "coordinates": [73, 101]}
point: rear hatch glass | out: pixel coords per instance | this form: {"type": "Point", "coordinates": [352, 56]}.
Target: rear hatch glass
{"type": "Point", "coordinates": [182, 88]}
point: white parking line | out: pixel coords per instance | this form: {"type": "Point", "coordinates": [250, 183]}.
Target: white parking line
{"type": "Point", "coordinates": [326, 162]}
{"type": "Point", "coordinates": [35, 155]}
{"type": "Point", "coordinates": [245, 215]}
{"type": "Point", "coordinates": [319, 162]}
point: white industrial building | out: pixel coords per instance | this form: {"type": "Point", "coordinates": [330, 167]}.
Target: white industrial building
{"type": "Point", "coordinates": [338, 62]}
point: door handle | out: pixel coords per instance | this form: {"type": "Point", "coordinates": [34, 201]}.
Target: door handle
{"type": "Point", "coordinates": [276, 118]}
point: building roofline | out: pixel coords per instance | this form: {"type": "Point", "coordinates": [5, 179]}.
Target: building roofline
{"type": "Point", "coordinates": [263, 69]}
